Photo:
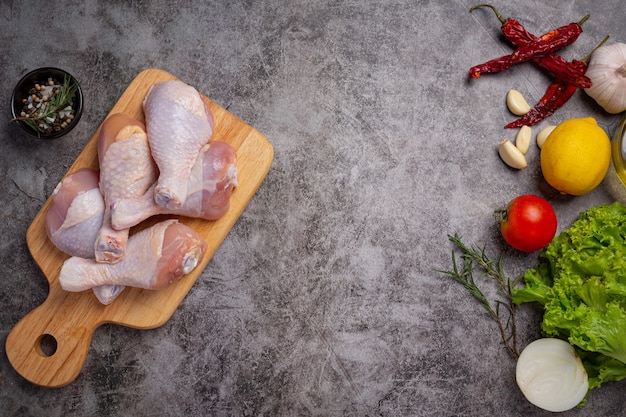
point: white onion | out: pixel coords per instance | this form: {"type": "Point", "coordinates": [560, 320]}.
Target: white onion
{"type": "Point", "coordinates": [551, 375]}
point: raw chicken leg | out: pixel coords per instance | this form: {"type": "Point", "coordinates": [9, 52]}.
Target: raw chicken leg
{"type": "Point", "coordinates": [74, 219]}
{"type": "Point", "coordinates": [126, 170]}
{"type": "Point", "coordinates": [156, 257]}
{"type": "Point", "coordinates": [179, 123]}
{"type": "Point", "coordinates": [212, 179]}
{"type": "Point", "coordinates": [75, 213]}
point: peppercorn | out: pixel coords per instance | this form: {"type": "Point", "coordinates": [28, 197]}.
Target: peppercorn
{"type": "Point", "coordinates": [37, 113]}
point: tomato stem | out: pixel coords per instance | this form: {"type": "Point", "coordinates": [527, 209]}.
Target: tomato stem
{"type": "Point", "coordinates": [501, 215]}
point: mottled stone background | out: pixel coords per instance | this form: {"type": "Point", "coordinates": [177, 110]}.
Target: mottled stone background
{"type": "Point", "coordinates": [324, 299]}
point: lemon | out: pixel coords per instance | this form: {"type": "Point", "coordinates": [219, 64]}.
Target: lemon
{"type": "Point", "coordinates": [576, 156]}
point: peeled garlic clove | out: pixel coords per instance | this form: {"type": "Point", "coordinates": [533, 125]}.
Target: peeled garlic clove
{"type": "Point", "coordinates": [516, 103]}
{"type": "Point", "coordinates": [551, 375]}
{"type": "Point", "coordinates": [522, 140]}
{"type": "Point", "coordinates": [511, 156]}
{"type": "Point", "coordinates": [543, 135]}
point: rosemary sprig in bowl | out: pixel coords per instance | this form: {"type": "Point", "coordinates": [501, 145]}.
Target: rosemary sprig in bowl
{"type": "Point", "coordinates": [44, 106]}
{"type": "Point", "coordinates": [54, 108]}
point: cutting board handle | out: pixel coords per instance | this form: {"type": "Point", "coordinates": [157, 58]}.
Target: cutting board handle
{"type": "Point", "coordinates": [48, 348]}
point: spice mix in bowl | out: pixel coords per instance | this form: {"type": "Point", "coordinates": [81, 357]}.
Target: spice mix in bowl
{"type": "Point", "coordinates": [47, 103]}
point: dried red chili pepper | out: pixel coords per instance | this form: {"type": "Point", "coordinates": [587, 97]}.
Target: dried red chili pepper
{"type": "Point", "coordinates": [515, 33]}
{"type": "Point", "coordinates": [542, 46]}
{"type": "Point", "coordinates": [565, 70]}
{"type": "Point", "coordinates": [561, 68]}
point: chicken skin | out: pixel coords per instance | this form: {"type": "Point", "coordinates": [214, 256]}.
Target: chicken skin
{"type": "Point", "coordinates": [156, 257]}
{"type": "Point", "coordinates": [126, 170]}
{"type": "Point", "coordinates": [211, 182]}
{"type": "Point", "coordinates": [179, 124]}
{"type": "Point", "coordinates": [74, 219]}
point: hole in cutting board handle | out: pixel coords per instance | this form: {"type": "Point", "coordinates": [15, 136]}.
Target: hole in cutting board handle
{"type": "Point", "coordinates": [47, 345]}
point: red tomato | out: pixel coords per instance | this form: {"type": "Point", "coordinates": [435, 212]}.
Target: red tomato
{"type": "Point", "coordinates": [527, 223]}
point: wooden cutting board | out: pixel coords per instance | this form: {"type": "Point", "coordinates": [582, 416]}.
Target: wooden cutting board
{"type": "Point", "coordinates": [69, 319]}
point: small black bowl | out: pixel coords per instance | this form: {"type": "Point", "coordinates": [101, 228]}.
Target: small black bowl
{"type": "Point", "coordinates": [42, 75]}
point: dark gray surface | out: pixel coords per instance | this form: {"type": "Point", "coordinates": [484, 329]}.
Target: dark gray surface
{"type": "Point", "coordinates": [324, 299]}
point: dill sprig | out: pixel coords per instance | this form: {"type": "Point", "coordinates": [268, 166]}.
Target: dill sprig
{"type": "Point", "coordinates": [501, 310]}
{"type": "Point", "coordinates": [40, 119]}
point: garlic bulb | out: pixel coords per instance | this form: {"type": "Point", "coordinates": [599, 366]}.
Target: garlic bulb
{"type": "Point", "coordinates": [551, 375]}
{"type": "Point", "coordinates": [607, 72]}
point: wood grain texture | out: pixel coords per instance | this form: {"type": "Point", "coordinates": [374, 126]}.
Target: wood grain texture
{"type": "Point", "coordinates": [71, 318]}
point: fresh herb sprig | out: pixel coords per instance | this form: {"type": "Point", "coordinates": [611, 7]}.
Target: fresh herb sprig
{"type": "Point", "coordinates": [501, 310]}
{"type": "Point", "coordinates": [48, 111]}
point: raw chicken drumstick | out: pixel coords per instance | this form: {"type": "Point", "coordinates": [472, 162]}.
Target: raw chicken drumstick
{"type": "Point", "coordinates": [156, 257]}
{"type": "Point", "coordinates": [74, 219]}
{"type": "Point", "coordinates": [212, 180]}
{"type": "Point", "coordinates": [126, 170]}
{"type": "Point", "coordinates": [179, 123]}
